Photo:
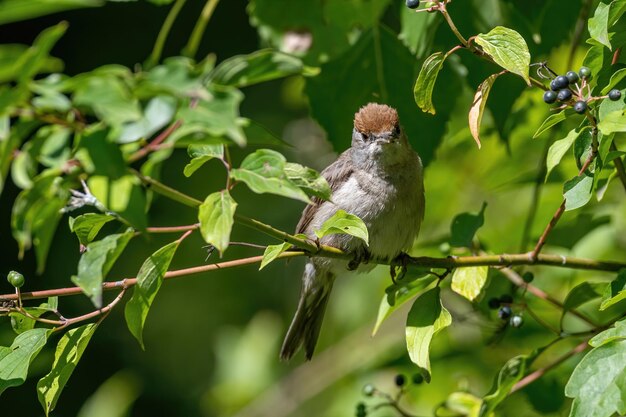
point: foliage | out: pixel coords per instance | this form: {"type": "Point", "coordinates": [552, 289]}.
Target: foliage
{"type": "Point", "coordinates": [100, 149]}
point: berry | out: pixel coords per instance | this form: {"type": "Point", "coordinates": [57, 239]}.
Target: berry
{"type": "Point", "coordinates": [553, 86]}
{"type": "Point", "coordinates": [580, 107]}
{"type": "Point", "coordinates": [560, 82]}
{"type": "Point", "coordinates": [493, 303]}
{"type": "Point", "coordinates": [584, 72]}
{"type": "Point", "coordinates": [361, 411]}
{"type": "Point", "coordinates": [16, 279]}
{"type": "Point", "coordinates": [528, 277]}
{"type": "Point", "coordinates": [549, 97]}
{"type": "Point", "coordinates": [368, 390]}
{"type": "Point", "coordinates": [412, 4]}
{"type": "Point", "coordinates": [505, 312]}
{"type": "Point", "coordinates": [516, 321]}
{"type": "Point", "coordinates": [400, 380]}
{"type": "Point", "coordinates": [572, 76]}
{"type": "Point", "coordinates": [564, 95]}
{"type": "Point", "coordinates": [418, 379]}
{"type": "Point", "coordinates": [506, 299]}
{"type": "Point", "coordinates": [615, 94]}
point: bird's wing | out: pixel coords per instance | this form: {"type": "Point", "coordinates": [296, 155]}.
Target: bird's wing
{"type": "Point", "coordinates": [336, 174]}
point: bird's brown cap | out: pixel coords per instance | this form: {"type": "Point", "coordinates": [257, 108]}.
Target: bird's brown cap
{"type": "Point", "coordinates": [376, 118]}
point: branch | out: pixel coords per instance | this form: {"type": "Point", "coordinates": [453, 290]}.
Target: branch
{"type": "Point", "coordinates": [196, 36]}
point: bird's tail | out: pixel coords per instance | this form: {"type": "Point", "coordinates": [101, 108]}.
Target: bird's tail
{"type": "Point", "coordinates": [306, 324]}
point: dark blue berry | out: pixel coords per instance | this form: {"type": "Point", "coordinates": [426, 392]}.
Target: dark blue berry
{"type": "Point", "coordinates": [528, 277]}
{"type": "Point", "coordinates": [553, 86]}
{"type": "Point", "coordinates": [549, 97]}
{"type": "Point", "coordinates": [493, 303]}
{"type": "Point", "coordinates": [505, 312]}
{"type": "Point", "coordinates": [400, 380]}
{"type": "Point", "coordinates": [584, 72]}
{"type": "Point", "coordinates": [560, 82]}
{"type": "Point", "coordinates": [361, 410]}
{"type": "Point", "coordinates": [572, 76]}
{"type": "Point", "coordinates": [580, 107]}
{"type": "Point", "coordinates": [412, 4]}
{"type": "Point", "coordinates": [615, 94]}
{"type": "Point", "coordinates": [418, 379]}
{"type": "Point", "coordinates": [564, 94]}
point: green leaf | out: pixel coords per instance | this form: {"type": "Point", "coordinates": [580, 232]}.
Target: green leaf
{"type": "Point", "coordinates": [398, 294]}
{"type": "Point", "coordinates": [464, 227]}
{"type": "Point", "coordinates": [598, 25]}
{"type": "Point", "coordinates": [96, 262]}
{"type": "Point", "coordinates": [21, 323]}
{"type": "Point", "coordinates": [508, 376]}
{"type": "Point", "coordinates": [597, 383]}
{"type": "Point", "coordinates": [124, 196]}
{"type": "Point", "coordinates": [423, 90]}
{"type": "Point", "coordinates": [615, 79]}
{"type": "Point", "coordinates": [615, 291]}
{"type": "Point", "coordinates": [615, 332]}
{"type": "Point", "coordinates": [418, 30]}
{"type": "Point", "coordinates": [581, 294]}
{"type": "Point", "coordinates": [17, 10]}
{"type": "Point", "coordinates": [15, 360]}
{"type": "Point", "coordinates": [257, 67]}
{"type": "Point", "coordinates": [508, 49]}
{"type": "Point", "coordinates": [108, 98]}
{"type": "Point", "coordinates": [272, 252]}
{"type": "Point", "coordinates": [158, 113]}
{"type": "Point", "coordinates": [577, 191]}
{"type": "Point", "coordinates": [344, 223]}
{"type": "Point", "coordinates": [478, 106]}
{"type": "Point", "coordinates": [149, 281]}
{"type": "Point", "coordinates": [426, 318]}
{"type": "Point", "coordinates": [552, 121]}
{"type": "Point", "coordinates": [216, 219]}
{"type": "Point", "coordinates": [68, 352]}
{"type": "Point", "coordinates": [613, 122]}
{"type": "Point", "coordinates": [200, 154]}
{"type": "Point", "coordinates": [469, 281]}
{"type": "Point", "coordinates": [308, 179]}
{"type": "Point", "coordinates": [88, 225]}
{"type": "Point", "coordinates": [558, 149]}
{"type": "Point", "coordinates": [36, 57]}
{"type": "Point", "coordinates": [263, 171]}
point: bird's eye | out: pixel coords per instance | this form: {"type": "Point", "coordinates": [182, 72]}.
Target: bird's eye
{"type": "Point", "coordinates": [396, 130]}
{"type": "Point", "coordinates": [365, 136]}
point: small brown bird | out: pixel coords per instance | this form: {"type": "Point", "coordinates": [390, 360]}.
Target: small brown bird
{"type": "Point", "coordinates": [379, 179]}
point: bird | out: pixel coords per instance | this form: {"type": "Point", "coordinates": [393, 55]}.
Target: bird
{"type": "Point", "coordinates": [380, 180]}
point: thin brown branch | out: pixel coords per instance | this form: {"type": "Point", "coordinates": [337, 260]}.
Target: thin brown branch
{"type": "Point", "coordinates": [172, 229]}
{"type": "Point", "coordinates": [532, 377]}
{"type": "Point", "coordinates": [154, 145]}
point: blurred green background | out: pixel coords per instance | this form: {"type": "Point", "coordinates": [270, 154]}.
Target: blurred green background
{"type": "Point", "coordinates": [212, 340]}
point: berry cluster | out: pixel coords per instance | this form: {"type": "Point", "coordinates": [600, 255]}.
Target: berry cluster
{"type": "Point", "coordinates": [370, 390]}
{"type": "Point", "coordinates": [16, 279]}
{"type": "Point", "coordinates": [567, 89]}
{"type": "Point", "coordinates": [503, 305]}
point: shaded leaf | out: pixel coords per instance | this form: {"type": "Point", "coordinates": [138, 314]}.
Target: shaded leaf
{"type": "Point", "coordinates": [308, 179]}
{"type": "Point", "coordinates": [200, 154]}
{"type": "Point", "coordinates": [272, 252]}
{"type": "Point", "coordinates": [615, 291]}
{"type": "Point", "coordinates": [508, 49]}
{"type": "Point", "coordinates": [478, 106]}
{"type": "Point", "coordinates": [88, 225]}
{"type": "Point", "coordinates": [577, 192]}
{"type": "Point", "coordinates": [108, 98]}
{"type": "Point", "coordinates": [615, 79]}
{"type": "Point", "coordinates": [508, 376]}
{"type": "Point", "coordinates": [423, 89]}
{"type": "Point", "coordinates": [418, 30]}
{"type": "Point", "coordinates": [149, 281]}
{"type": "Point", "coordinates": [426, 318]}
{"type": "Point", "coordinates": [581, 294]}
{"type": "Point", "coordinates": [552, 120]}
{"type": "Point", "coordinates": [96, 262]}
{"type": "Point", "coordinates": [216, 219]}
{"type": "Point", "coordinates": [158, 113]}
{"type": "Point", "coordinates": [344, 223]}
{"type": "Point", "coordinates": [15, 360]}
{"type": "Point", "coordinates": [469, 281]}
{"type": "Point", "coordinates": [464, 227]}
{"type": "Point", "coordinates": [558, 149]}
{"type": "Point", "coordinates": [68, 352]}
{"type": "Point", "coordinates": [613, 122]}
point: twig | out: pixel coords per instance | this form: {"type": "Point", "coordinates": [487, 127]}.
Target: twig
{"type": "Point", "coordinates": [196, 36]}
{"type": "Point", "coordinates": [155, 56]}
{"type": "Point", "coordinates": [154, 145]}
{"type": "Point", "coordinates": [530, 378]}
{"type": "Point", "coordinates": [172, 229]}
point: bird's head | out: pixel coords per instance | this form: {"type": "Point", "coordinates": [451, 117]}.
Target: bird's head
{"type": "Point", "coordinates": [377, 132]}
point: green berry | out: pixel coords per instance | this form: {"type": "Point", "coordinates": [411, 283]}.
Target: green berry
{"type": "Point", "coordinates": [505, 312]}
{"type": "Point", "coordinates": [560, 82]}
{"type": "Point", "coordinates": [16, 279]}
{"type": "Point", "coordinates": [418, 379]}
{"type": "Point", "coordinates": [412, 4]}
{"type": "Point", "coordinates": [564, 94]}
{"type": "Point", "coordinates": [572, 76]}
{"type": "Point", "coordinates": [400, 380]}
{"type": "Point", "coordinates": [493, 303]}
{"type": "Point", "coordinates": [549, 96]}
{"type": "Point", "coordinates": [615, 94]}
{"type": "Point", "coordinates": [528, 277]}
{"type": "Point", "coordinates": [516, 321]}
{"type": "Point", "coordinates": [584, 72]}
{"type": "Point", "coordinates": [506, 299]}
{"type": "Point", "coordinates": [368, 390]}
{"type": "Point", "coordinates": [580, 107]}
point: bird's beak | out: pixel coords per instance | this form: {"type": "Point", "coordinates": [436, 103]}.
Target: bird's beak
{"type": "Point", "coordinates": [386, 138]}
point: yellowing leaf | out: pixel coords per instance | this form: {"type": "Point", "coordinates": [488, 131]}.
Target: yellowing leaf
{"type": "Point", "coordinates": [469, 281]}
{"type": "Point", "coordinates": [478, 106]}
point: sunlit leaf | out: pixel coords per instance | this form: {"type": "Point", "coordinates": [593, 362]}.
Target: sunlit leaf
{"type": "Point", "coordinates": [68, 352]}
{"type": "Point", "coordinates": [15, 360]}
{"type": "Point", "coordinates": [558, 149]}
{"type": "Point", "coordinates": [615, 79]}
{"type": "Point", "coordinates": [508, 49]}
{"type": "Point", "coordinates": [615, 291]}
{"type": "Point", "coordinates": [552, 121]}
{"type": "Point", "coordinates": [423, 90]}
{"type": "Point", "coordinates": [577, 192]}
{"type": "Point", "coordinates": [469, 281]}
{"type": "Point", "coordinates": [344, 223]}
{"type": "Point", "coordinates": [426, 318]}
{"type": "Point", "coordinates": [598, 25]}
{"type": "Point", "coordinates": [200, 154]}
{"type": "Point", "coordinates": [216, 219]}
{"type": "Point", "coordinates": [478, 106]}
{"type": "Point", "coordinates": [272, 252]}
{"type": "Point", "coordinates": [158, 113]}
{"type": "Point", "coordinates": [308, 179]}
{"type": "Point", "coordinates": [17, 10]}
{"type": "Point", "coordinates": [613, 122]}
{"type": "Point", "coordinates": [88, 225]}
{"type": "Point", "coordinates": [149, 281]}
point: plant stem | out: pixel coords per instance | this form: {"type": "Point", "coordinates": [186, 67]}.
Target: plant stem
{"type": "Point", "coordinates": [619, 166]}
{"type": "Point", "coordinates": [196, 36]}
{"type": "Point", "coordinates": [155, 56]}
{"type": "Point", "coordinates": [453, 27]}
{"type": "Point", "coordinates": [172, 229]}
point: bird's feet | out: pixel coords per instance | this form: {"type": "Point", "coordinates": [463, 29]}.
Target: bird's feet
{"type": "Point", "coordinates": [361, 256]}
{"type": "Point", "coordinates": [402, 260]}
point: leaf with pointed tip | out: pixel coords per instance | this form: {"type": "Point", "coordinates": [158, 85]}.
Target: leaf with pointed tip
{"type": "Point", "coordinates": [508, 376]}
{"type": "Point", "coordinates": [200, 154]}
{"type": "Point", "coordinates": [272, 252]}
{"type": "Point", "coordinates": [464, 227]}
{"type": "Point", "coordinates": [581, 294]}
{"type": "Point", "coordinates": [552, 120]}
{"type": "Point", "coordinates": [87, 226]}
{"type": "Point", "coordinates": [15, 360]}
{"type": "Point", "coordinates": [577, 191]}
{"type": "Point", "coordinates": [478, 106]}
{"type": "Point", "coordinates": [508, 49]}
{"type": "Point", "coordinates": [558, 149]}
{"type": "Point", "coordinates": [423, 89]}
{"type": "Point", "coordinates": [615, 291]}
{"type": "Point", "coordinates": [308, 179]}
{"type": "Point", "coordinates": [344, 223]}
{"type": "Point", "coordinates": [216, 215]}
